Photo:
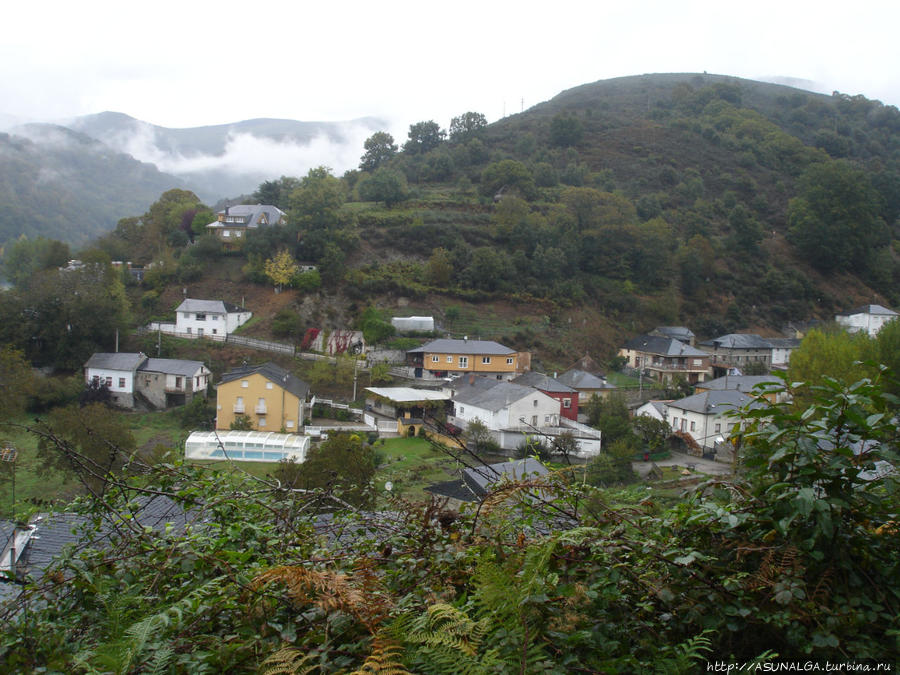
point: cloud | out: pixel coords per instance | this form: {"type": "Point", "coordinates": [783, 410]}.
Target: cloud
{"type": "Point", "coordinates": [247, 154]}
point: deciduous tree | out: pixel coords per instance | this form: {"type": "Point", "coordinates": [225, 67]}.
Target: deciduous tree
{"type": "Point", "coordinates": [380, 147]}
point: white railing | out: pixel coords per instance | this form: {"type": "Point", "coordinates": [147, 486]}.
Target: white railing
{"type": "Point", "coordinates": [239, 408]}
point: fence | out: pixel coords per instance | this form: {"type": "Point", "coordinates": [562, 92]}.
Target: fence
{"type": "Point", "coordinates": [252, 343]}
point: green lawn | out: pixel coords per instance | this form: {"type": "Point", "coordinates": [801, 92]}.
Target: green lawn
{"type": "Point", "coordinates": [411, 464]}
{"type": "Point", "coordinates": [625, 381]}
{"type": "Point", "coordinates": [33, 491]}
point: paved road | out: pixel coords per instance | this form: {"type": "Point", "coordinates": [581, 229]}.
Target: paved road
{"type": "Point", "coordinates": [701, 465]}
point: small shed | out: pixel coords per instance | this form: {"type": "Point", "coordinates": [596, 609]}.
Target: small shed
{"type": "Point", "coordinates": [413, 324]}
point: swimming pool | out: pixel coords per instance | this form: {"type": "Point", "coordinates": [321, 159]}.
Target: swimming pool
{"type": "Point", "coordinates": [259, 455]}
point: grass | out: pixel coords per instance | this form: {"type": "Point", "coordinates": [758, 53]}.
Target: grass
{"type": "Point", "coordinates": [411, 464]}
{"type": "Point", "coordinates": [34, 491]}
{"type": "Point", "coordinates": [624, 381]}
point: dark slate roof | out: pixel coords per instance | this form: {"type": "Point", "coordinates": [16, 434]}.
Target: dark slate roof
{"type": "Point", "coordinates": [544, 383]}
{"type": "Point", "coordinates": [742, 383]}
{"type": "Point", "coordinates": [6, 529]}
{"type": "Point", "coordinates": [172, 366]}
{"type": "Point", "coordinates": [446, 346]}
{"type": "Point", "coordinates": [480, 479]}
{"type": "Point", "coordinates": [275, 374]}
{"type": "Point", "coordinates": [209, 306]}
{"type": "Point", "coordinates": [116, 361]}
{"type": "Point", "coordinates": [495, 398]}
{"type": "Point", "coordinates": [662, 346]}
{"type": "Point", "coordinates": [712, 402]}
{"type": "Point", "coordinates": [253, 212]}
{"type": "Point", "coordinates": [682, 333]}
{"type": "Point", "coordinates": [875, 310]}
{"type": "Point", "coordinates": [472, 381]}
{"type": "Point", "coordinates": [476, 482]}
{"type": "Point", "coordinates": [784, 343]}
{"type": "Point", "coordinates": [738, 341]}
{"type": "Point", "coordinates": [580, 379]}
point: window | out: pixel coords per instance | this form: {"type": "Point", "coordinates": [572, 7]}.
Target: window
{"type": "Point", "coordinates": [245, 383]}
{"type": "Point", "coordinates": [683, 424]}
{"type": "Point", "coordinates": [226, 233]}
{"type": "Point", "coordinates": [200, 332]}
{"type": "Point", "coordinates": [289, 424]}
{"type": "Point", "coordinates": [463, 361]}
{"type": "Point", "coordinates": [534, 420]}
{"type": "Point", "coordinates": [215, 330]}
{"type": "Point", "coordinates": [674, 422]}
{"type": "Point", "coordinates": [718, 427]}
{"type": "Point", "coordinates": [485, 360]}
{"type": "Point", "coordinates": [693, 426]}
{"type": "Point", "coordinates": [269, 385]}
{"type": "Point", "coordinates": [121, 383]}
{"type": "Point", "coordinates": [449, 359]}
{"type": "Point", "coordinates": [178, 383]}
{"type": "Point", "coordinates": [461, 410]}
{"type": "Point", "coordinates": [214, 317]}
{"type": "Point", "coordinates": [534, 403]}
{"type": "Point", "coordinates": [201, 316]}
{"type": "Point", "coordinates": [262, 421]}
{"type": "Point", "coordinates": [547, 419]}
{"type": "Point", "coordinates": [435, 358]}
{"type": "Point", "coordinates": [189, 330]}
{"type": "Point", "coordinates": [237, 233]}
{"type": "Point", "coordinates": [567, 403]}
{"type": "Point", "coordinates": [509, 360]}
{"type": "Point", "coordinates": [96, 380]}
{"type": "Point", "coordinates": [108, 381]}
{"type": "Point", "coordinates": [698, 362]}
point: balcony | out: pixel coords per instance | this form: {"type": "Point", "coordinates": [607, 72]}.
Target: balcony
{"type": "Point", "coordinates": [260, 409]}
{"type": "Point", "coordinates": [239, 408]}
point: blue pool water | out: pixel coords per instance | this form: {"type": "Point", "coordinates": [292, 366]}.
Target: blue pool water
{"type": "Point", "coordinates": [259, 455]}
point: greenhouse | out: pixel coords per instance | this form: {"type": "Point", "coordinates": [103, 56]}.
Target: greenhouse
{"type": "Point", "coordinates": [247, 446]}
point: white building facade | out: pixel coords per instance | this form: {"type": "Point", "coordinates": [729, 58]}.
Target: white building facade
{"type": "Point", "coordinates": [209, 317]}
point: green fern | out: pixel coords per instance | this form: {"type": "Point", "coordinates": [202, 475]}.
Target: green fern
{"type": "Point", "coordinates": [289, 661]}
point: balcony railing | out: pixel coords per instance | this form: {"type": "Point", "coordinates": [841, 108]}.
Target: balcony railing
{"type": "Point", "coordinates": [260, 410]}
{"type": "Point", "coordinates": [239, 408]}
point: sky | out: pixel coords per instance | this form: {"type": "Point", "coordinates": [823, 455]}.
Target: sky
{"type": "Point", "coordinates": [194, 62]}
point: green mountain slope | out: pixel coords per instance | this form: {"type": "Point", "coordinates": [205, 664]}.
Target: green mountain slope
{"type": "Point", "coordinates": [61, 184]}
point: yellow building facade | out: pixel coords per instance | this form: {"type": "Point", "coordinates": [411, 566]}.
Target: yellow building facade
{"type": "Point", "coordinates": [270, 397]}
{"type": "Point", "coordinates": [447, 357]}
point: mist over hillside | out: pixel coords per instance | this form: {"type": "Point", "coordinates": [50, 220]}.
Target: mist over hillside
{"type": "Point", "coordinates": [231, 159]}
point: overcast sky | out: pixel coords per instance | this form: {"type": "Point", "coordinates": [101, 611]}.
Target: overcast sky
{"type": "Point", "coordinates": [191, 63]}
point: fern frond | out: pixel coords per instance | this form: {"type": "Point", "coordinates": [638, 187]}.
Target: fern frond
{"type": "Point", "coordinates": [385, 659]}
{"type": "Point", "coordinates": [519, 490]}
{"type": "Point", "coordinates": [289, 661]}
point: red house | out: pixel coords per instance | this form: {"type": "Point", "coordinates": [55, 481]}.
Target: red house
{"type": "Point", "coordinates": [567, 397]}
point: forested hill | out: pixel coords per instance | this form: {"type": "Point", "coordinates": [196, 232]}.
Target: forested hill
{"type": "Point", "coordinates": [61, 184]}
{"type": "Point", "coordinates": [720, 203]}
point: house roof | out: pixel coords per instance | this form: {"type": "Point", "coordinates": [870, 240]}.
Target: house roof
{"type": "Point", "coordinates": [742, 383]}
{"type": "Point", "coordinates": [476, 482]}
{"type": "Point", "coordinates": [447, 346]}
{"type": "Point", "coordinates": [253, 212]}
{"type": "Point", "coordinates": [408, 394]}
{"type": "Point", "coordinates": [495, 398]}
{"type": "Point", "coordinates": [875, 310]}
{"type": "Point", "coordinates": [172, 366]}
{"type": "Point", "coordinates": [272, 372]}
{"type": "Point", "coordinates": [471, 380]}
{"type": "Point", "coordinates": [715, 402]}
{"type": "Point", "coordinates": [116, 361]}
{"type": "Point", "coordinates": [784, 343]}
{"type": "Point", "coordinates": [678, 332]}
{"type": "Point", "coordinates": [662, 346]}
{"type": "Point", "coordinates": [544, 383]}
{"type": "Point", "coordinates": [658, 406]}
{"type": "Point", "coordinates": [738, 341]}
{"type": "Point", "coordinates": [580, 379]}
{"type": "Point", "coordinates": [209, 306]}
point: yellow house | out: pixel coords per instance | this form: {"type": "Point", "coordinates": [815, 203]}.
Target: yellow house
{"type": "Point", "coordinates": [446, 358]}
{"type": "Point", "coordinates": [269, 396]}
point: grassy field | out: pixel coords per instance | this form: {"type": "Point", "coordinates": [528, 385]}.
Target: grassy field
{"type": "Point", "coordinates": [411, 464]}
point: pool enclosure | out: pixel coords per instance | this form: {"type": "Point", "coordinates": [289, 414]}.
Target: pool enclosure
{"type": "Point", "coordinates": [247, 446]}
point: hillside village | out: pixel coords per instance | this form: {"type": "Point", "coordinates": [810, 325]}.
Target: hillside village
{"type": "Point", "coordinates": [497, 397]}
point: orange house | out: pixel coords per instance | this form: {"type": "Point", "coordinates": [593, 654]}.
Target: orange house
{"type": "Point", "coordinates": [447, 358]}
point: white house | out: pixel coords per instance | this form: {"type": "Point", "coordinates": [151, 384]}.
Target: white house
{"type": "Point", "coordinates": [658, 410]}
{"type": "Point", "coordinates": [209, 317]}
{"type": "Point", "coordinates": [708, 417]}
{"type": "Point", "coordinates": [868, 318]}
{"type": "Point", "coordinates": [505, 406]}
{"type": "Point", "coordinates": [115, 371]}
